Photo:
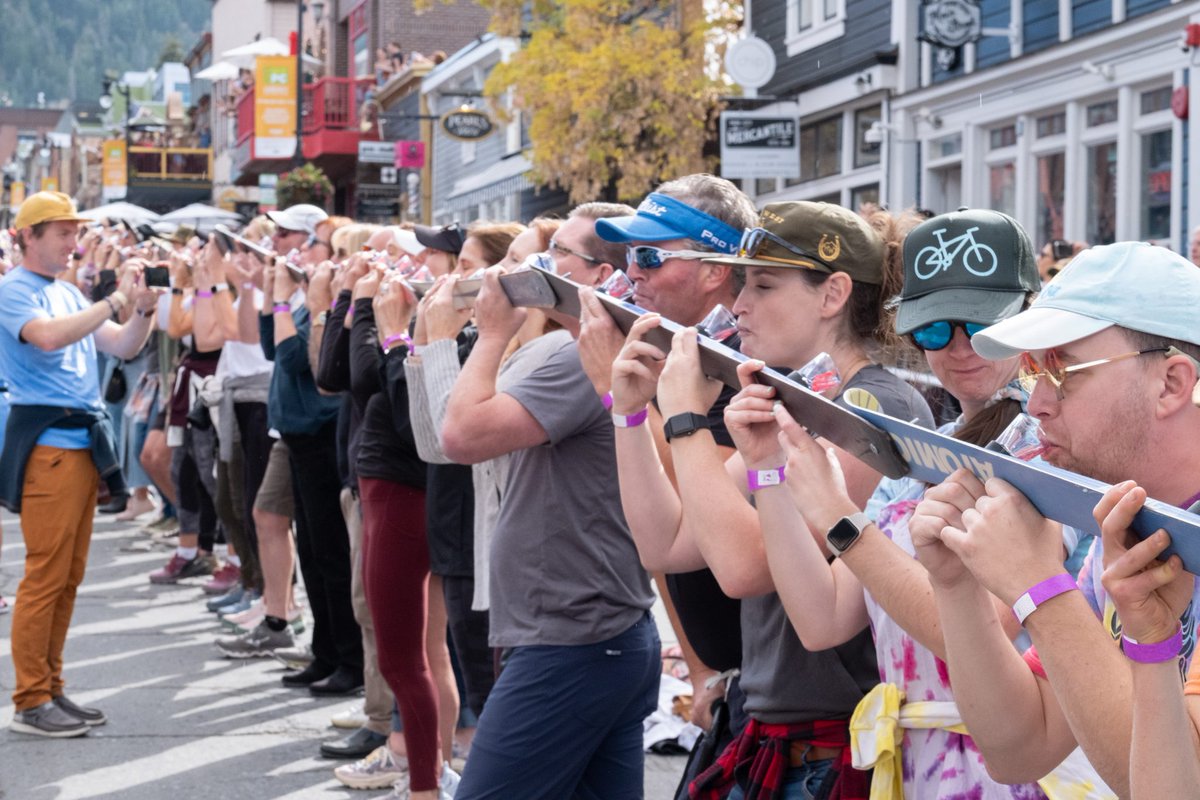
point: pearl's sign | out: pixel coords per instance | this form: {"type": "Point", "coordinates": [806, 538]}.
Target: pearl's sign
{"type": "Point", "coordinates": [467, 124]}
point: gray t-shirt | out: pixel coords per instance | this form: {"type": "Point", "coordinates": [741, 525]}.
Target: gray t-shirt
{"type": "Point", "coordinates": [783, 682]}
{"type": "Point", "coordinates": [564, 568]}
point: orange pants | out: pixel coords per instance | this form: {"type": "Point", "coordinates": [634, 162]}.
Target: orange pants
{"type": "Point", "coordinates": [57, 505]}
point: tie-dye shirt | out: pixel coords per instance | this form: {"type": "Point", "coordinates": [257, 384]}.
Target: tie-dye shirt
{"type": "Point", "coordinates": [937, 764]}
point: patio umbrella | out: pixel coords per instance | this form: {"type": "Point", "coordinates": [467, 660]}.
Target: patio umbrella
{"type": "Point", "coordinates": [269, 46]}
{"type": "Point", "coordinates": [220, 71]}
{"type": "Point", "coordinates": [129, 212]}
{"type": "Point", "coordinates": [202, 216]}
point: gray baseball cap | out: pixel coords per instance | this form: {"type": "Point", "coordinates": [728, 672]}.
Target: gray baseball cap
{"type": "Point", "coordinates": [971, 265]}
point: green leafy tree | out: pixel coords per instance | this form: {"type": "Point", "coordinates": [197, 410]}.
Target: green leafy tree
{"type": "Point", "coordinates": [617, 92]}
{"type": "Point", "coordinates": [64, 47]}
{"type": "Point", "coordinates": [172, 50]}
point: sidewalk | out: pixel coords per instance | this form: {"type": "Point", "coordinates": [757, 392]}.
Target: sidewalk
{"type": "Point", "coordinates": [183, 722]}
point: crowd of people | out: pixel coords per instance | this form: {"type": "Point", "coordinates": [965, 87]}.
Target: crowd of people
{"type": "Point", "coordinates": [481, 498]}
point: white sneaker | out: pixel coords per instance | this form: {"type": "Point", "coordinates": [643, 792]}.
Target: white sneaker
{"type": "Point", "coordinates": [379, 770]}
{"type": "Point", "coordinates": [447, 786]}
{"type": "Point", "coordinates": [350, 718]}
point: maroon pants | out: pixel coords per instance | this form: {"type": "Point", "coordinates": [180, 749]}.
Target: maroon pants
{"type": "Point", "coordinates": [396, 575]}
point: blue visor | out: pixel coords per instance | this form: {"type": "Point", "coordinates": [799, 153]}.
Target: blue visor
{"type": "Point", "coordinates": [660, 218]}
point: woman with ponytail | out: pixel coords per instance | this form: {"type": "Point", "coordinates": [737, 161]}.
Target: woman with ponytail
{"type": "Point", "coordinates": [907, 728]}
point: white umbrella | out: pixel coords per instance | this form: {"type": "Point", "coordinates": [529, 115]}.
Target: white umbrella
{"type": "Point", "coordinates": [121, 210]}
{"type": "Point", "coordinates": [220, 71]}
{"type": "Point", "coordinates": [270, 46]}
{"type": "Point", "coordinates": [199, 211]}
{"type": "Point", "coordinates": [202, 216]}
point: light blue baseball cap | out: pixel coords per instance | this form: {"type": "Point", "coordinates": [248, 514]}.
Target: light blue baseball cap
{"type": "Point", "coordinates": [1135, 285]}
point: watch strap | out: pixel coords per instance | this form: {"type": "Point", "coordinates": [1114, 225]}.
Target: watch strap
{"type": "Point", "coordinates": [1041, 592]}
{"type": "Point", "coordinates": [684, 424]}
{"type": "Point", "coordinates": [858, 520]}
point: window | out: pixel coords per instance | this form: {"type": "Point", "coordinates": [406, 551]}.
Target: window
{"type": "Point", "coordinates": [821, 149]}
{"type": "Point", "coordinates": [947, 146]}
{"type": "Point", "coordinates": [864, 195]}
{"type": "Point", "coordinates": [1002, 137]}
{"type": "Point", "coordinates": [764, 185]}
{"type": "Point", "coordinates": [1156, 186]}
{"type": "Point", "coordinates": [1101, 113]}
{"type": "Point", "coordinates": [945, 189]}
{"type": "Point", "coordinates": [359, 35]}
{"type": "Point", "coordinates": [815, 13]}
{"type": "Point", "coordinates": [1051, 125]}
{"type": "Point", "coordinates": [865, 153]}
{"type": "Point", "coordinates": [1002, 188]}
{"type": "Point", "coordinates": [1102, 193]}
{"type": "Point", "coordinates": [1156, 100]}
{"type": "Point", "coordinates": [1051, 180]}
{"type": "Point", "coordinates": [811, 23]}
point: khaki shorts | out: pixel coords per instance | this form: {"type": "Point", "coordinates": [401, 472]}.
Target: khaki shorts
{"type": "Point", "coordinates": [275, 494]}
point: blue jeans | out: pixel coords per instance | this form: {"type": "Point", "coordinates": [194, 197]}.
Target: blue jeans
{"type": "Point", "coordinates": [799, 783]}
{"type": "Point", "coordinates": [566, 721]}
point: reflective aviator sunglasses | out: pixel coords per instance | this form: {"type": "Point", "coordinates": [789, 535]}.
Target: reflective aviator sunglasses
{"type": "Point", "coordinates": [1052, 369]}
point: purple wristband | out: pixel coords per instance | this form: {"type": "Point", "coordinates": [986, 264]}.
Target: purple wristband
{"type": "Point", "coordinates": [607, 401]}
{"type": "Point", "coordinates": [1041, 592]}
{"type": "Point", "coordinates": [631, 420]}
{"type": "Point", "coordinates": [761, 478]}
{"type": "Point", "coordinates": [1156, 652]}
{"type": "Point", "coordinates": [281, 308]}
{"type": "Point", "coordinates": [388, 343]}
{"type": "Point", "coordinates": [203, 293]}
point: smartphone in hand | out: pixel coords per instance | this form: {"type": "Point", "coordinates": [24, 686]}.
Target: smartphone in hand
{"type": "Point", "coordinates": [158, 277]}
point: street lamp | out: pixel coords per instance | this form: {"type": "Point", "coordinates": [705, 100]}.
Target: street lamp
{"type": "Point", "coordinates": [318, 9]}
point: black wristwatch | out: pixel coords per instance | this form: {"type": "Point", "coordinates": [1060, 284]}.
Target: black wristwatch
{"type": "Point", "coordinates": [684, 425]}
{"type": "Point", "coordinates": [845, 532]}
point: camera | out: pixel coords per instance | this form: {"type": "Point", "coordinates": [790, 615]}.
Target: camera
{"type": "Point", "coordinates": [1060, 249]}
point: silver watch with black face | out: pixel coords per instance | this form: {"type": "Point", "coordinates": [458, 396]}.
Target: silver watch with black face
{"type": "Point", "coordinates": [842, 536]}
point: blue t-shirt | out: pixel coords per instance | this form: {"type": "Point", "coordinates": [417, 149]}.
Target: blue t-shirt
{"type": "Point", "coordinates": [67, 377]}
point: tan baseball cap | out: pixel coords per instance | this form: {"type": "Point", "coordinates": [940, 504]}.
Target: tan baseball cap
{"type": "Point", "coordinates": [802, 234]}
{"type": "Point", "coordinates": [46, 207]}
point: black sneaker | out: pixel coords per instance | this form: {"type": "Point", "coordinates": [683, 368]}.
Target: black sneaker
{"type": "Point", "coordinates": [90, 716]}
{"type": "Point", "coordinates": [306, 677]}
{"type": "Point", "coordinates": [48, 720]}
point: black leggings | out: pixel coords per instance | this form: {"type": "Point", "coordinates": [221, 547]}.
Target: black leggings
{"type": "Point", "coordinates": [323, 545]}
{"type": "Point", "coordinates": [256, 448]}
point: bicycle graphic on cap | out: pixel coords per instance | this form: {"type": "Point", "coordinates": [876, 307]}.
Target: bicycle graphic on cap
{"type": "Point", "coordinates": [978, 259]}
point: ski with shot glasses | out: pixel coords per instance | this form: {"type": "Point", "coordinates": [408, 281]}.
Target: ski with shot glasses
{"type": "Point", "coordinates": [891, 446]}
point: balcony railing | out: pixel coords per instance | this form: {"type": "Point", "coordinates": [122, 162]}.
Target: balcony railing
{"type": "Point", "coordinates": [170, 163]}
{"type": "Point", "coordinates": [328, 104]}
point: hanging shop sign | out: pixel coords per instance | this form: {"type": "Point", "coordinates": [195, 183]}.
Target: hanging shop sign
{"type": "Point", "coordinates": [467, 124]}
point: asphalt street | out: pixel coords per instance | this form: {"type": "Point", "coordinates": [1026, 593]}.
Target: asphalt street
{"type": "Point", "coordinates": [183, 722]}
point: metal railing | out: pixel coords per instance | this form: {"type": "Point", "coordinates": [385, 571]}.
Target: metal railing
{"type": "Point", "coordinates": [170, 163]}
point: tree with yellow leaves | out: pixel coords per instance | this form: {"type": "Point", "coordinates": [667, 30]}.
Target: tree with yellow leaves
{"type": "Point", "coordinates": [616, 91]}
